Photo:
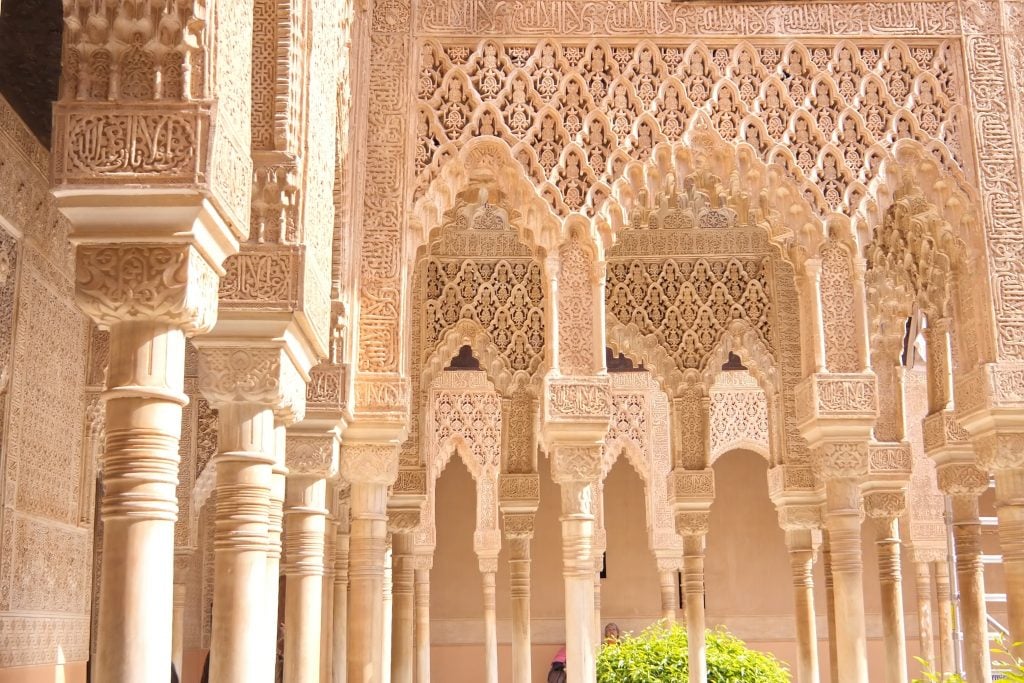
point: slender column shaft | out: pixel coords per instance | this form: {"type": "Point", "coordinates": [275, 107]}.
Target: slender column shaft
{"type": "Point", "coordinates": [305, 516]}
{"type": "Point", "coordinates": [272, 613]}
{"type": "Point", "coordinates": [244, 471]}
{"type": "Point", "coordinates": [693, 587]}
{"type": "Point", "coordinates": [801, 560]}
{"type": "Point", "coordinates": [925, 627]}
{"type": "Point", "coordinates": [891, 582]}
{"type": "Point", "coordinates": [519, 587]}
{"type": "Point", "coordinates": [339, 671]}
{"type": "Point", "coordinates": [578, 572]}
{"type": "Point", "coordinates": [843, 522]}
{"type": "Point", "coordinates": [327, 618]}
{"type": "Point", "coordinates": [178, 631]}
{"type": "Point", "coordinates": [490, 628]}
{"type": "Point", "coordinates": [366, 581]}
{"type": "Point", "coordinates": [422, 625]}
{"type": "Point", "coordinates": [403, 666]}
{"type": "Point", "coordinates": [140, 474]}
{"type": "Point", "coordinates": [970, 574]}
{"type": "Point", "coordinates": [388, 613]}
{"type": "Point", "coordinates": [830, 610]}
{"type": "Point", "coordinates": [669, 598]}
{"type": "Point", "coordinates": [944, 602]}
{"type": "Point", "coordinates": [598, 630]}
{"type": "Point", "coordinates": [1010, 509]}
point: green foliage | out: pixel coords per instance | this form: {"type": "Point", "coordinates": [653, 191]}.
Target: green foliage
{"type": "Point", "coordinates": [1006, 664]}
{"type": "Point", "coordinates": [659, 655]}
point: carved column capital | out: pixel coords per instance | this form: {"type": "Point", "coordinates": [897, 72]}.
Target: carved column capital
{"type": "Point", "coordinates": [692, 522]}
{"type": "Point", "coordinates": [518, 524]}
{"type": "Point", "coordinates": [885, 505]}
{"type": "Point", "coordinates": [576, 463]}
{"type": "Point", "coordinates": [999, 451]}
{"type": "Point", "coordinates": [369, 463]}
{"type": "Point", "coordinates": [236, 373]}
{"type": "Point", "coordinates": [841, 460]}
{"type": "Point", "coordinates": [800, 517]}
{"type": "Point", "coordinates": [403, 520]}
{"type": "Point", "coordinates": [691, 488]}
{"type": "Point", "coordinates": [962, 479]}
{"type": "Point", "coordinates": [141, 282]}
{"type": "Point", "coordinates": [312, 455]}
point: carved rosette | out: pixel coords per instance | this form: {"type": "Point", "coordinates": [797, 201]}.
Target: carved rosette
{"type": "Point", "coordinates": [962, 479]}
{"type": "Point", "coordinates": [369, 463]}
{"type": "Point", "coordinates": [843, 460]}
{"type": "Point", "coordinates": [170, 284]}
{"type": "Point", "coordinates": [576, 464]}
{"type": "Point", "coordinates": [265, 376]}
{"type": "Point", "coordinates": [312, 456]}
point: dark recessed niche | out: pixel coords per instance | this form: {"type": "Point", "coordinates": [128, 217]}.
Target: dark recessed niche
{"type": "Point", "coordinates": [734, 363]}
{"type": "Point", "coordinates": [30, 41]}
{"type": "Point", "coordinates": [464, 360]}
{"type": "Point", "coordinates": [620, 363]}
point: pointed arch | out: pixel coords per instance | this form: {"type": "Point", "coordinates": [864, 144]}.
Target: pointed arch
{"type": "Point", "coordinates": [485, 168]}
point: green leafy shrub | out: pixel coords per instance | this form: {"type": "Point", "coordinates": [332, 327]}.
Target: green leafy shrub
{"type": "Point", "coordinates": [659, 655]}
{"type": "Point", "coordinates": [1007, 665]}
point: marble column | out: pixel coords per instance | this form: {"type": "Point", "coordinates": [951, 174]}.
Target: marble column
{"type": "Point", "coordinates": [830, 609]}
{"type": "Point", "coordinates": [925, 626]}
{"type": "Point", "coordinates": [578, 573]}
{"type": "Point", "coordinates": [144, 398]}
{"type": "Point", "coordinates": [801, 544]}
{"type": "Point", "coordinates": [518, 533]}
{"type": "Point", "coordinates": [964, 483]}
{"type": "Point", "coordinates": [370, 469]}
{"type": "Point", "coordinates": [884, 509]}
{"type": "Point", "coordinates": [305, 512]}
{"type": "Point", "coordinates": [327, 590]}
{"type": "Point", "coordinates": [693, 526]}
{"type": "Point", "coordinates": [944, 605]}
{"type": "Point", "coordinates": [403, 665]}
{"type": "Point", "coordinates": [423, 563]}
{"type": "Point", "coordinates": [1010, 510]}
{"type": "Point", "coordinates": [339, 671]}
{"type": "Point", "coordinates": [273, 614]}
{"type": "Point", "coordinates": [182, 562]}
{"type": "Point", "coordinates": [244, 471]}
{"type": "Point", "coordinates": [843, 520]}
{"type": "Point", "coordinates": [669, 595]}
{"type": "Point", "coordinates": [388, 613]}
{"type": "Point", "coordinates": [489, 573]}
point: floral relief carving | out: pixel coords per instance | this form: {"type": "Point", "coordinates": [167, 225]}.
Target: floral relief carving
{"type": "Point", "coordinates": [369, 463]}
{"type": "Point", "coordinates": [837, 296]}
{"type": "Point", "coordinates": [576, 328]}
{"type": "Point", "coordinates": [312, 455]}
{"type": "Point", "coordinates": [576, 104]}
{"type": "Point", "coordinates": [146, 282]}
{"type": "Point", "coordinates": [253, 375]}
{"type": "Point", "coordinates": [739, 415]}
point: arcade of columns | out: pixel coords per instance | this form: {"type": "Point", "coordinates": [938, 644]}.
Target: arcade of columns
{"type": "Point", "coordinates": [289, 218]}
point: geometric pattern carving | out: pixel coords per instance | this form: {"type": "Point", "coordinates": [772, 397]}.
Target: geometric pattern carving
{"type": "Point", "coordinates": [686, 305]}
{"type": "Point", "coordinates": [574, 113]}
{"type": "Point", "coordinates": [739, 415]}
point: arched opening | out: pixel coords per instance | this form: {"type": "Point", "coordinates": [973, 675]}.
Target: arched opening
{"type": "Point", "coordinates": [629, 589]}
{"type": "Point", "coordinates": [745, 534]}
{"type": "Point", "coordinates": [456, 608]}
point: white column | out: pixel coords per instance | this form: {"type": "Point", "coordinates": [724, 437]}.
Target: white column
{"type": "Point", "coordinates": [387, 609]}
{"type": "Point", "coordinates": [370, 469]}
{"type": "Point", "coordinates": [403, 665]}
{"type": "Point", "coordinates": [801, 546]}
{"type": "Point", "coordinates": [339, 670]}
{"type": "Point", "coordinates": [925, 626]}
{"type": "Point", "coordinates": [305, 515]}
{"type": "Point", "coordinates": [694, 530]}
{"type": "Point", "coordinates": [273, 616]}
{"type": "Point", "coordinates": [884, 510]}
{"type": "Point", "coordinates": [423, 564]}
{"type": "Point", "coordinates": [489, 571]}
